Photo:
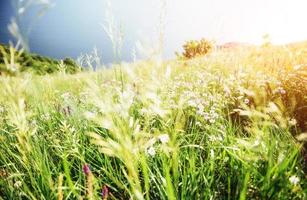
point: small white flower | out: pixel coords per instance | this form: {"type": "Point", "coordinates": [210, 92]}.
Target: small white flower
{"type": "Point", "coordinates": [34, 122]}
{"type": "Point", "coordinates": [17, 184]}
{"type": "Point", "coordinates": [281, 90]}
{"type": "Point", "coordinates": [151, 151]}
{"type": "Point", "coordinates": [281, 158]}
{"type": "Point", "coordinates": [246, 101]}
{"type": "Point", "coordinates": [1, 109]}
{"type": "Point", "coordinates": [198, 124]}
{"type": "Point", "coordinates": [214, 115]}
{"type": "Point", "coordinates": [292, 122]}
{"type": "Point", "coordinates": [294, 180]}
{"type": "Point", "coordinates": [164, 138]}
{"type": "Point", "coordinates": [212, 153]}
{"type": "Point", "coordinates": [211, 121]}
{"type": "Point", "coordinates": [206, 116]}
{"type": "Point", "coordinates": [200, 107]}
{"type": "Point", "coordinates": [46, 116]}
{"type": "Point", "coordinates": [65, 95]}
{"type": "Point", "coordinates": [89, 115]}
{"type": "Point", "coordinates": [257, 142]}
{"type": "Point", "coordinates": [200, 112]}
{"type": "Point", "coordinates": [227, 90]}
{"type": "Point", "coordinates": [192, 103]}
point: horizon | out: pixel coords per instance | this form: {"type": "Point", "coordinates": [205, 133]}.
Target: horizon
{"type": "Point", "coordinates": [73, 27]}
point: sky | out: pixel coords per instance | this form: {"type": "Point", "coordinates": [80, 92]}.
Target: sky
{"type": "Point", "coordinates": [72, 27]}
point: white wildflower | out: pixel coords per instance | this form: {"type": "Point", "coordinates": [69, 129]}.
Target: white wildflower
{"type": "Point", "coordinates": [211, 121]}
{"type": "Point", "coordinates": [34, 122]}
{"type": "Point", "coordinates": [214, 115]}
{"type": "Point", "coordinates": [200, 112]}
{"type": "Point", "coordinates": [164, 138]}
{"type": "Point", "coordinates": [89, 115]}
{"type": "Point", "coordinates": [256, 143]}
{"type": "Point", "coordinates": [246, 101]}
{"type": "Point", "coordinates": [151, 151]}
{"type": "Point", "coordinates": [292, 122]}
{"type": "Point", "coordinates": [206, 116]}
{"type": "Point", "coordinates": [200, 107]}
{"type": "Point", "coordinates": [192, 103]}
{"type": "Point", "coordinates": [294, 180]}
{"type": "Point", "coordinates": [17, 184]}
{"type": "Point", "coordinates": [227, 90]}
{"type": "Point", "coordinates": [212, 153]}
{"type": "Point", "coordinates": [46, 116]}
{"type": "Point", "coordinates": [168, 72]}
{"type": "Point", "coordinates": [1, 109]}
{"type": "Point", "coordinates": [198, 124]}
{"type": "Point", "coordinates": [65, 95]}
{"type": "Point", "coordinates": [281, 90]}
{"type": "Point", "coordinates": [281, 158]}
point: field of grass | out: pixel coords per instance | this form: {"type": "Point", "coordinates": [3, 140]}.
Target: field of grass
{"type": "Point", "coordinates": [229, 125]}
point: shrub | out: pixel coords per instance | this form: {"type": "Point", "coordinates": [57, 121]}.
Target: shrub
{"type": "Point", "coordinates": [194, 48]}
{"type": "Point", "coordinates": [71, 65]}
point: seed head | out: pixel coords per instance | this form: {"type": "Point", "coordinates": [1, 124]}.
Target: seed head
{"type": "Point", "coordinates": [86, 169]}
{"type": "Point", "coordinates": [104, 192]}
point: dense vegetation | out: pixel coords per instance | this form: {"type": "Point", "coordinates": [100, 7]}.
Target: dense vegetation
{"type": "Point", "coordinates": [226, 126]}
{"type": "Point", "coordinates": [13, 62]}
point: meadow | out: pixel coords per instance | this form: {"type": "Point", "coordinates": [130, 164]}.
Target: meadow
{"type": "Point", "coordinates": [228, 125]}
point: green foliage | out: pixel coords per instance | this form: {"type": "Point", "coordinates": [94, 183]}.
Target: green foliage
{"type": "Point", "coordinates": [71, 65]}
{"type": "Point", "coordinates": [166, 133]}
{"type": "Point", "coordinates": [20, 61]}
{"type": "Point", "coordinates": [195, 48]}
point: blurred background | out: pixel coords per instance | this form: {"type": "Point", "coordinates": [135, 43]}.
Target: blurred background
{"type": "Point", "coordinates": [71, 27]}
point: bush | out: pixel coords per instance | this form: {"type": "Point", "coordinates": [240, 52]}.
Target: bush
{"type": "Point", "coordinates": [71, 65]}
{"type": "Point", "coordinates": [194, 48]}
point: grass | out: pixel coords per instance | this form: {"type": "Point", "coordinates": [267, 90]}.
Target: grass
{"type": "Point", "coordinates": [214, 127]}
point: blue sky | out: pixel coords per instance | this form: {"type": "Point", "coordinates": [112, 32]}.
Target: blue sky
{"type": "Point", "coordinates": [75, 26]}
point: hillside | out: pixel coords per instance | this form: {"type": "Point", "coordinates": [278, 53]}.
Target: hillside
{"type": "Point", "coordinates": [230, 125]}
{"type": "Point", "coordinates": [26, 62]}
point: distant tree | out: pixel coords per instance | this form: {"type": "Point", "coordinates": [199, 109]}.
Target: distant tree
{"type": "Point", "coordinates": [26, 62]}
{"type": "Point", "coordinates": [195, 48]}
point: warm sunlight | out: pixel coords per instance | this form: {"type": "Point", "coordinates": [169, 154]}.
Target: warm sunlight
{"type": "Point", "coordinates": [63, 30]}
{"type": "Point", "coordinates": [153, 99]}
{"type": "Point", "coordinates": [238, 20]}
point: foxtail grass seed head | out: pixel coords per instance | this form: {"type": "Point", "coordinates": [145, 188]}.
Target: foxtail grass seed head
{"type": "Point", "coordinates": [89, 181]}
{"type": "Point", "coordinates": [104, 192]}
{"type": "Point", "coordinates": [86, 169]}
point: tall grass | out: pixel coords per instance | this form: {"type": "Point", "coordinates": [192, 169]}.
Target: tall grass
{"type": "Point", "coordinates": [21, 29]}
{"type": "Point", "coordinates": [207, 128]}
